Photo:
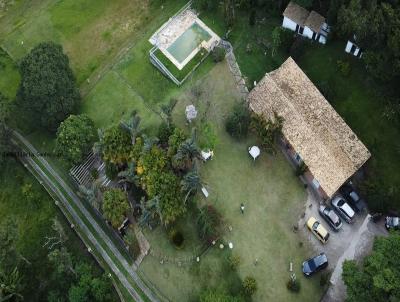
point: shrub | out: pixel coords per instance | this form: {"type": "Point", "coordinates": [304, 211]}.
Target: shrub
{"type": "Point", "coordinates": [164, 132]}
{"type": "Point", "coordinates": [293, 285]}
{"type": "Point", "coordinates": [234, 261]}
{"type": "Point", "coordinates": [218, 54]}
{"type": "Point", "coordinates": [111, 171]}
{"type": "Point", "coordinates": [208, 223]}
{"type": "Point", "coordinates": [132, 242]}
{"type": "Point", "coordinates": [176, 238]}
{"type": "Point", "coordinates": [343, 67]}
{"type": "Point", "coordinates": [249, 285]}
{"type": "Point", "coordinates": [324, 280]}
{"type": "Point", "coordinates": [94, 173]}
{"type": "Point", "coordinates": [237, 124]}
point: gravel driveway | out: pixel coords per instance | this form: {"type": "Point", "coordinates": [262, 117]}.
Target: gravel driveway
{"type": "Point", "coordinates": [352, 241]}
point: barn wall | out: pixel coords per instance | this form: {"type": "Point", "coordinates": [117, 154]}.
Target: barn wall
{"type": "Point", "coordinates": [289, 24]}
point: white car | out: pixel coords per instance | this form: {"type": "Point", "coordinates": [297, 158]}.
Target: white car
{"type": "Point", "coordinates": [343, 208]}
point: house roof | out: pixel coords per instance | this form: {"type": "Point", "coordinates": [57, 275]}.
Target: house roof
{"type": "Point", "coordinates": [314, 21]}
{"type": "Point", "coordinates": [296, 13]}
{"type": "Point", "coordinates": [327, 145]}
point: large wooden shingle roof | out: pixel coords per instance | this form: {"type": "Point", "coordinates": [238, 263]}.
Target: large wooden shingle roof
{"type": "Point", "coordinates": [327, 145]}
{"type": "Point", "coordinates": [296, 13]}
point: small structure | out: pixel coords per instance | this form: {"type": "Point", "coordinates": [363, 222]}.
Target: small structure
{"type": "Point", "coordinates": [230, 245]}
{"type": "Point", "coordinates": [205, 192]}
{"type": "Point", "coordinates": [191, 113]}
{"type": "Point", "coordinates": [206, 155]}
{"type": "Point", "coordinates": [308, 24]}
{"type": "Point", "coordinates": [313, 132]}
{"type": "Point", "coordinates": [352, 48]}
{"type": "Point", "coordinates": [254, 152]}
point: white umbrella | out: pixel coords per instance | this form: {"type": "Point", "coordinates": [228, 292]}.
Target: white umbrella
{"type": "Point", "coordinates": [254, 152]}
{"type": "Point", "coordinates": [191, 113]}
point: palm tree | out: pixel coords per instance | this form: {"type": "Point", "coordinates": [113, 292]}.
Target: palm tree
{"type": "Point", "coordinates": [98, 146]}
{"type": "Point", "coordinates": [129, 175]}
{"type": "Point", "coordinates": [150, 209]}
{"type": "Point", "coordinates": [10, 286]}
{"type": "Point", "coordinates": [166, 111]}
{"type": "Point", "coordinates": [132, 126]}
{"type": "Point", "coordinates": [91, 195]}
{"type": "Point", "coordinates": [187, 151]}
{"type": "Point", "coordinates": [149, 142]}
{"type": "Point", "coordinates": [191, 183]}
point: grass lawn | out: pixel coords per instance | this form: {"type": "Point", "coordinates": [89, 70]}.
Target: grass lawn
{"type": "Point", "coordinates": [180, 74]}
{"type": "Point", "coordinates": [359, 103]}
{"type": "Point", "coordinates": [9, 75]}
{"type": "Point", "coordinates": [274, 199]}
{"type": "Point", "coordinates": [91, 31]}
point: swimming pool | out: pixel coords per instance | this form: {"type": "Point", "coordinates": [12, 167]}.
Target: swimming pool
{"type": "Point", "coordinates": [186, 43]}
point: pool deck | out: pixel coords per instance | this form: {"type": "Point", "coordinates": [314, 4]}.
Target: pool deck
{"type": "Point", "coordinates": [170, 31]}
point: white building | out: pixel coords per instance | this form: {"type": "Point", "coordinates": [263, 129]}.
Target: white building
{"type": "Point", "coordinates": [352, 48]}
{"type": "Point", "coordinates": [308, 24]}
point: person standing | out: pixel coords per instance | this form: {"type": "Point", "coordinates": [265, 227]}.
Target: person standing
{"type": "Point", "coordinates": [242, 207]}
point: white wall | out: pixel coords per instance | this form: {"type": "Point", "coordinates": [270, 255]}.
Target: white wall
{"type": "Point", "coordinates": [322, 39]}
{"type": "Point", "coordinates": [289, 24]}
{"type": "Point", "coordinates": [308, 32]}
{"type": "Point", "coordinates": [348, 48]}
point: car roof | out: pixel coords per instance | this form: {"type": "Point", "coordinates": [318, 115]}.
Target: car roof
{"type": "Point", "coordinates": [321, 258]}
{"type": "Point", "coordinates": [332, 216]}
{"type": "Point", "coordinates": [348, 209]}
{"type": "Point", "coordinates": [322, 230]}
{"type": "Point", "coordinates": [311, 221]}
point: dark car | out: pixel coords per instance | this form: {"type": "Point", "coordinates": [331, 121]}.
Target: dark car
{"type": "Point", "coordinates": [392, 223]}
{"type": "Point", "coordinates": [343, 209]}
{"type": "Point", "coordinates": [330, 217]}
{"type": "Point", "coordinates": [315, 264]}
{"type": "Point", "coordinates": [352, 197]}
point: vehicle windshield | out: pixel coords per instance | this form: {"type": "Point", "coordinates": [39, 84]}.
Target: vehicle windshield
{"type": "Point", "coordinates": [333, 217]}
{"type": "Point", "coordinates": [311, 264]}
{"type": "Point", "coordinates": [315, 225]}
{"type": "Point", "coordinates": [340, 202]}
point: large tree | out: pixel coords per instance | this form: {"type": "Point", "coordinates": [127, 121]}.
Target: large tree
{"type": "Point", "coordinates": [115, 206]}
{"type": "Point", "coordinates": [48, 86]}
{"type": "Point", "coordinates": [377, 278]}
{"type": "Point", "coordinates": [5, 109]}
{"type": "Point", "coordinates": [116, 145]}
{"type": "Point", "coordinates": [75, 137]}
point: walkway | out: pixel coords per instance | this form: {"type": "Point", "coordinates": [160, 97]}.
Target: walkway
{"type": "Point", "coordinates": [234, 68]}
{"type": "Point", "coordinates": [79, 216]}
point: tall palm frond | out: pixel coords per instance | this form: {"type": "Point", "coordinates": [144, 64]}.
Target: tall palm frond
{"type": "Point", "coordinates": [132, 126]}
{"type": "Point", "coordinates": [188, 150]}
{"type": "Point", "coordinates": [191, 183]}
{"type": "Point", "coordinates": [129, 175]}
{"type": "Point", "coordinates": [10, 286]}
{"type": "Point", "coordinates": [149, 142]}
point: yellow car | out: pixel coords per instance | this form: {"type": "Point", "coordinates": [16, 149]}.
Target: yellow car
{"type": "Point", "coordinates": [316, 227]}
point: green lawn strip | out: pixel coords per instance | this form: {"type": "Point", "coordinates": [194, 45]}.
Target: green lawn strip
{"type": "Point", "coordinates": [180, 74]}
{"type": "Point", "coordinates": [9, 75]}
{"type": "Point", "coordinates": [91, 228]}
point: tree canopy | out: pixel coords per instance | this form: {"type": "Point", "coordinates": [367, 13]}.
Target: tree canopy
{"type": "Point", "coordinates": [5, 109]}
{"type": "Point", "coordinates": [115, 206]}
{"type": "Point", "coordinates": [377, 278]}
{"type": "Point", "coordinates": [48, 85]}
{"type": "Point", "coordinates": [75, 137]}
{"type": "Point", "coordinates": [116, 145]}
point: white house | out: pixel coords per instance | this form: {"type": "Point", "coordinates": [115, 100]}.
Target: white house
{"type": "Point", "coordinates": [352, 48]}
{"type": "Point", "coordinates": [308, 24]}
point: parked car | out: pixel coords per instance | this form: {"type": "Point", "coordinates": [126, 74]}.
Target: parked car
{"type": "Point", "coordinates": [330, 217]}
{"type": "Point", "coordinates": [392, 223]}
{"type": "Point", "coordinates": [318, 230]}
{"type": "Point", "coordinates": [352, 197]}
{"type": "Point", "coordinates": [343, 209]}
{"type": "Point", "coordinates": [315, 264]}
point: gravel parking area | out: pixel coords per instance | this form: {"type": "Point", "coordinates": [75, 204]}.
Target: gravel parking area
{"type": "Point", "coordinates": [352, 241]}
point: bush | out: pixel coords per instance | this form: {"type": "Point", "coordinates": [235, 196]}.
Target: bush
{"type": "Point", "coordinates": [94, 173]}
{"type": "Point", "coordinates": [218, 54]}
{"type": "Point", "coordinates": [249, 285]}
{"type": "Point", "coordinates": [324, 280]}
{"type": "Point", "coordinates": [237, 124]}
{"type": "Point", "coordinates": [164, 132]}
{"type": "Point", "coordinates": [293, 285]}
{"type": "Point", "coordinates": [343, 67]}
{"type": "Point", "coordinates": [176, 238]}
{"type": "Point", "coordinates": [234, 261]}
{"type": "Point", "coordinates": [208, 223]}
{"type": "Point", "coordinates": [111, 171]}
